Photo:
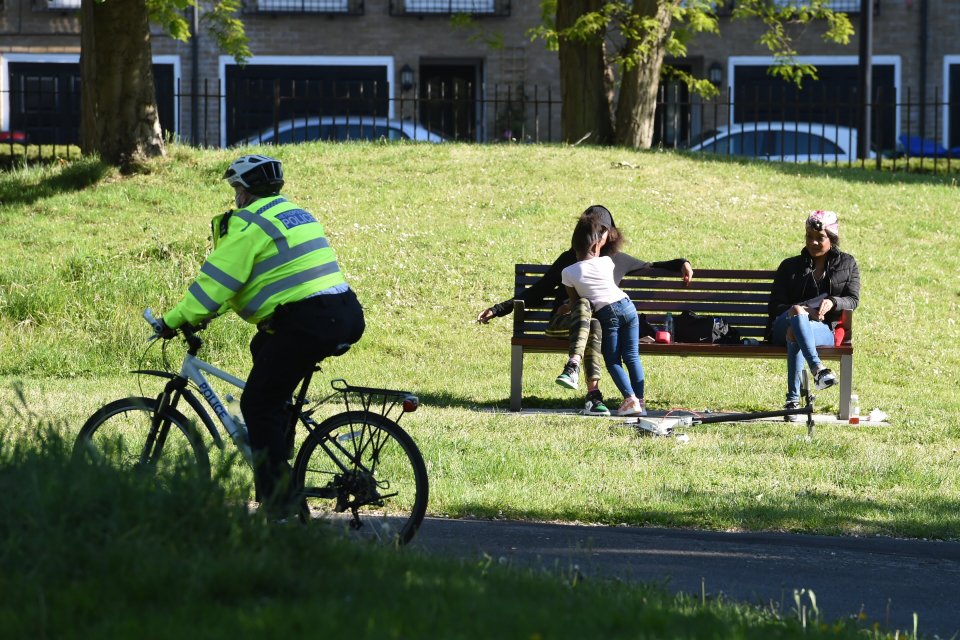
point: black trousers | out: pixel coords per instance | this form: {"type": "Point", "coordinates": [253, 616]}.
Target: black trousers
{"type": "Point", "coordinates": [284, 351]}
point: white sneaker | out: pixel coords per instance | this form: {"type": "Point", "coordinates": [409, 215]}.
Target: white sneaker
{"type": "Point", "coordinates": [824, 378]}
{"type": "Point", "coordinates": [632, 407]}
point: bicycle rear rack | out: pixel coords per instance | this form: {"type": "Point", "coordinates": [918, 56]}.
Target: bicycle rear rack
{"type": "Point", "coordinates": [375, 400]}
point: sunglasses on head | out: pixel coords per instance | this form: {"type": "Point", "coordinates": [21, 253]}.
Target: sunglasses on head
{"type": "Point", "coordinates": [816, 225]}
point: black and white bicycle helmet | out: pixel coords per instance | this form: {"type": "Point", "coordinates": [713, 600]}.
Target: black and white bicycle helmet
{"type": "Point", "coordinates": [260, 175]}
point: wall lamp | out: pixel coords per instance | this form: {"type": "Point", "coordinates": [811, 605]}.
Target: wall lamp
{"type": "Point", "coordinates": [406, 78]}
{"type": "Point", "coordinates": [715, 74]}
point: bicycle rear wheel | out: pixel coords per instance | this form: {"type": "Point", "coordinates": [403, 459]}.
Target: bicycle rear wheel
{"type": "Point", "coordinates": [122, 433]}
{"type": "Point", "coordinates": [362, 470]}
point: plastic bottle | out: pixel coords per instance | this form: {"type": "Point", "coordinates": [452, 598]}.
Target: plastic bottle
{"type": "Point", "coordinates": [668, 325]}
{"type": "Point", "coordinates": [854, 409]}
{"type": "Point", "coordinates": [233, 408]}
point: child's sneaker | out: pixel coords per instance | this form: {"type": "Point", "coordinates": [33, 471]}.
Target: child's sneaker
{"type": "Point", "coordinates": [595, 406]}
{"type": "Point", "coordinates": [795, 417]}
{"type": "Point", "coordinates": [632, 407]}
{"type": "Point", "coordinates": [824, 378]}
{"type": "Point", "coordinates": [570, 378]}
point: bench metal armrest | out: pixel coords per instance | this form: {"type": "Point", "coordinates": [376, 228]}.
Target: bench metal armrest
{"type": "Point", "coordinates": [519, 312]}
{"type": "Point", "coordinates": [846, 319]}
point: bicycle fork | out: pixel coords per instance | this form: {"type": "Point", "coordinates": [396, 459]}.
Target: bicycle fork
{"type": "Point", "coordinates": [159, 423]}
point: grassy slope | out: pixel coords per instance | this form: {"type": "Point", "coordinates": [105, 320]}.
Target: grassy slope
{"type": "Point", "coordinates": [428, 237]}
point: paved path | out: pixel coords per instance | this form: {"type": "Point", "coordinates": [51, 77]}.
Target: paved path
{"type": "Point", "coordinates": [888, 579]}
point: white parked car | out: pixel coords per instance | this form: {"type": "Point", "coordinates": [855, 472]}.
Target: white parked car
{"type": "Point", "coordinates": [787, 141]}
{"type": "Point", "coordinates": [341, 129]}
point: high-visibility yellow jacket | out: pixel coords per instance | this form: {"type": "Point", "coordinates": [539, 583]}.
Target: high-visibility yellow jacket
{"type": "Point", "coordinates": [264, 255]}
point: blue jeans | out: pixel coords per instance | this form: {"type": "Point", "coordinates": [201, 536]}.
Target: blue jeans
{"type": "Point", "coordinates": [621, 346]}
{"type": "Point", "coordinates": [808, 335]}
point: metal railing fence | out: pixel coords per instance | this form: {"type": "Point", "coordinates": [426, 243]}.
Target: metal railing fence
{"type": "Point", "coordinates": [44, 120]}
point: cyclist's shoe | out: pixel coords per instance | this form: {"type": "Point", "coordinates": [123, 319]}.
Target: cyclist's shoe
{"type": "Point", "coordinates": [594, 405]}
{"type": "Point", "coordinates": [824, 378]}
{"type": "Point", "coordinates": [275, 490]}
{"type": "Point", "coordinates": [795, 417]}
{"type": "Point", "coordinates": [632, 407]}
{"type": "Point", "coordinates": [570, 378]}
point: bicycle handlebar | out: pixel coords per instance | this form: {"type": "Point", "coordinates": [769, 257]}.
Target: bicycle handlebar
{"type": "Point", "coordinates": [189, 334]}
{"type": "Point", "coordinates": [153, 322]}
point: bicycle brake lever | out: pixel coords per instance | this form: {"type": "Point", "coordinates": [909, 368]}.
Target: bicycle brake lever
{"type": "Point", "coordinates": [154, 323]}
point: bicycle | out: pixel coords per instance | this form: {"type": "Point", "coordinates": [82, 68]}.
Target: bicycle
{"type": "Point", "coordinates": [357, 461]}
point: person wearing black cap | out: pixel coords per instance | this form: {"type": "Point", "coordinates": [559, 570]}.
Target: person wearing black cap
{"type": "Point", "coordinates": [577, 321]}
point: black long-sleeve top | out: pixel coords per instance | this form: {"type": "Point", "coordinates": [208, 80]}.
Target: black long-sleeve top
{"type": "Point", "coordinates": [550, 285]}
{"type": "Point", "coordinates": [794, 283]}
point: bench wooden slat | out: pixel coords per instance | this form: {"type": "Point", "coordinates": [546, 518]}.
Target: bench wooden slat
{"type": "Point", "coordinates": [702, 308]}
{"type": "Point", "coordinates": [638, 295]}
{"type": "Point", "coordinates": [705, 274]}
{"type": "Point", "coordinates": [638, 284]}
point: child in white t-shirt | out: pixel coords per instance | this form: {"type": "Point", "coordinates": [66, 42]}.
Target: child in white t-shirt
{"type": "Point", "coordinates": [592, 278]}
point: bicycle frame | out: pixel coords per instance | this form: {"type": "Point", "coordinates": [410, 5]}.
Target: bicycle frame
{"type": "Point", "coordinates": [192, 370]}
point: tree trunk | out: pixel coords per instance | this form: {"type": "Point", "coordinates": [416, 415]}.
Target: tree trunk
{"type": "Point", "coordinates": [585, 86]}
{"type": "Point", "coordinates": [118, 112]}
{"type": "Point", "coordinates": [637, 104]}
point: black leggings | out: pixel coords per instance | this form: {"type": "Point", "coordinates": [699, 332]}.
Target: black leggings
{"type": "Point", "coordinates": [299, 335]}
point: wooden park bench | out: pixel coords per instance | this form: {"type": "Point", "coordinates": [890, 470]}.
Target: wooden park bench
{"type": "Point", "coordinates": [738, 296]}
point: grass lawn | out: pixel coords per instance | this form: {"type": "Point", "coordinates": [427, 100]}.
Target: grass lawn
{"type": "Point", "coordinates": [428, 236]}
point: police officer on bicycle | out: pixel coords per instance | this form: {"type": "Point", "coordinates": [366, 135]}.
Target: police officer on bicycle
{"type": "Point", "coordinates": [273, 265]}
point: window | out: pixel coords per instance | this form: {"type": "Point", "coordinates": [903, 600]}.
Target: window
{"type": "Point", "coordinates": [450, 6]}
{"type": "Point", "coordinates": [849, 6]}
{"type": "Point", "coordinates": [744, 143]}
{"type": "Point", "coordinates": [365, 132]}
{"type": "Point", "coordinates": [718, 146]}
{"type": "Point", "coordinates": [306, 6]}
{"type": "Point", "coordinates": [485, 8]}
{"type": "Point", "coordinates": [351, 131]}
{"type": "Point", "coordinates": [800, 143]}
{"type": "Point", "coordinates": [63, 4]}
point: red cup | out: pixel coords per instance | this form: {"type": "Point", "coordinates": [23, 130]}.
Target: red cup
{"type": "Point", "coordinates": [838, 335]}
{"type": "Point", "coordinates": [663, 337]}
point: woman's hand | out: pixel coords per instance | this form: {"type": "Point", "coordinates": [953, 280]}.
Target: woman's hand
{"type": "Point", "coordinates": [687, 272]}
{"type": "Point", "coordinates": [825, 306]}
{"type": "Point", "coordinates": [485, 316]}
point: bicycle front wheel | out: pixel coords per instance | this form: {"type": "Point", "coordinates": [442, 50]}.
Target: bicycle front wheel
{"type": "Point", "coordinates": [362, 470]}
{"type": "Point", "coordinates": [124, 433]}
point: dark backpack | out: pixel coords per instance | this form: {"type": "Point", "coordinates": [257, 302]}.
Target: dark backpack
{"type": "Point", "coordinates": [723, 333]}
{"type": "Point", "coordinates": [690, 326]}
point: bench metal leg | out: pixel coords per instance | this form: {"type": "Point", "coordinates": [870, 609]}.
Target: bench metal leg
{"type": "Point", "coordinates": [846, 385]}
{"type": "Point", "coordinates": [516, 377]}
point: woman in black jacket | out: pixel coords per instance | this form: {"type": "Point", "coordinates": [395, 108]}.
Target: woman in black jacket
{"type": "Point", "coordinates": [809, 292]}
